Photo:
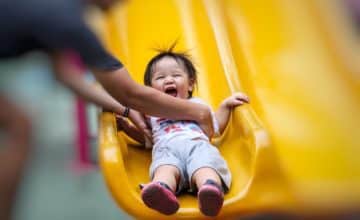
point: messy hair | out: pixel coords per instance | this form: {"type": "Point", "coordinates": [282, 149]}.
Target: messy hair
{"type": "Point", "coordinates": [182, 58]}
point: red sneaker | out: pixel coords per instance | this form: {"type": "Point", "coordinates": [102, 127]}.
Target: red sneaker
{"type": "Point", "coordinates": [160, 197]}
{"type": "Point", "coordinates": [210, 198]}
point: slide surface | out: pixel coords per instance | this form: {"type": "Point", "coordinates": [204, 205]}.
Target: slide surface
{"type": "Point", "coordinates": [295, 148]}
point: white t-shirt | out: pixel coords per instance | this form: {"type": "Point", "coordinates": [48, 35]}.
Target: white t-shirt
{"type": "Point", "coordinates": [164, 129]}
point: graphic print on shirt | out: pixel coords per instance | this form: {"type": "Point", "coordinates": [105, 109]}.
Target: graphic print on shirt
{"type": "Point", "coordinates": [169, 126]}
{"type": "Point", "coordinates": [166, 129]}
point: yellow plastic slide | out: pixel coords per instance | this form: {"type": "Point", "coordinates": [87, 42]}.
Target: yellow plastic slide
{"type": "Point", "coordinates": [296, 148]}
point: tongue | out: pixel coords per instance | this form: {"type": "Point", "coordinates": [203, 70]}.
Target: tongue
{"type": "Point", "coordinates": [172, 93]}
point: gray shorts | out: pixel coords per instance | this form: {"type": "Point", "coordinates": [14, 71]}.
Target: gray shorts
{"type": "Point", "coordinates": [188, 156]}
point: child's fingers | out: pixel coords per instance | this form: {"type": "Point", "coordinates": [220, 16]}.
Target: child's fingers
{"type": "Point", "coordinates": [242, 97]}
{"type": "Point", "coordinates": [236, 102]}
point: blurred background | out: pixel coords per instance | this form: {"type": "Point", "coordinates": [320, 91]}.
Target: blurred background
{"type": "Point", "coordinates": [57, 183]}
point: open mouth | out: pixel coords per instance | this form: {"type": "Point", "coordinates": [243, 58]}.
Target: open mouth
{"type": "Point", "coordinates": [171, 91]}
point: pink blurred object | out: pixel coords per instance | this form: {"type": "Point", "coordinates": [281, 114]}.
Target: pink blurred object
{"type": "Point", "coordinates": [82, 162]}
{"type": "Point", "coordinates": [354, 7]}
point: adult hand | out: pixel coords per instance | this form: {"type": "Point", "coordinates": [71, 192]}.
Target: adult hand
{"type": "Point", "coordinates": [139, 121]}
{"type": "Point", "coordinates": [205, 121]}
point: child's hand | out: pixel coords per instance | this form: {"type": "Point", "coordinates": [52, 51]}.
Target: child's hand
{"type": "Point", "coordinates": [235, 100]}
{"type": "Point", "coordinates": [223, 113]}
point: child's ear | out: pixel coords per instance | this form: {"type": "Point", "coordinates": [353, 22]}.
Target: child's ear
{"type": "Point", "coordinates": [191, 85]}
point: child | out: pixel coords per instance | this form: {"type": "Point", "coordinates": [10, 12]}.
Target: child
{"type": "Point", "coordinates": [182, 155]}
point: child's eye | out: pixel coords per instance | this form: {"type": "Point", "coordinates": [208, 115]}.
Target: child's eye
{"type": "Point", "coordinates": [177, 75]}
{"type": "Point", "coordinates": [159, 77]}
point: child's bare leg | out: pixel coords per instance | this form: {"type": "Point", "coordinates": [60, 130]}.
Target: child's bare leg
{"type": "Point", "coordinates": [201, 175]}
{"type": "Point", "coordinates": [167, 174]}
{"type": "Point", "coordinates": [210, 194]}
{"type": "Point", "coordinates": [160, 193]}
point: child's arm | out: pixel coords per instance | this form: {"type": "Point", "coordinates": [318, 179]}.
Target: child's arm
{"type": "Point", "coordinates": [130, 129]}
{"type": "Point", "coordinates": [223, 113]}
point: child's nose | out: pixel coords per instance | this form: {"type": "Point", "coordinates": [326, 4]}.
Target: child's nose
{"type": "Point", "coordinates": [169, 79]}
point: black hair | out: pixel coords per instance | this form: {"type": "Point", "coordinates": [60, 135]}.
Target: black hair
{"type": "Point", "coordinates": [182, 58]}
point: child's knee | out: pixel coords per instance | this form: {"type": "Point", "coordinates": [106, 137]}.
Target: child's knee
{"type": "Point", "coordinates": [204, 173]}
{"type": "Point", "coordinates": [168, 170]}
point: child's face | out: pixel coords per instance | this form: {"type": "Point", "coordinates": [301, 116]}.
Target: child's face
{"type": "Point", "coordinates": [169, 77]}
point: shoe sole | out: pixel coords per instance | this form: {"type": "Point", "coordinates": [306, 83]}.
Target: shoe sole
{"type": "Point", "coordinates": [210, 200]}
{"type": "Point", "coordinates": [159, 198]}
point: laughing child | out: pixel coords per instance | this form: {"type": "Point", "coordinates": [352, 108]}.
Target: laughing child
{"type": "Point", "coordinates": [182, 155]}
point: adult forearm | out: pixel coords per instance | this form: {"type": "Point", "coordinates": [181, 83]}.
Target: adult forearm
{"type": "Point", "coordinates": [153, 102]}
{"type": "Point", "coordinates": [91, 93]}
{"type": "Point", "coordinates": [70, 75]}
{"type": "Point", "coordinates": [148, 100]}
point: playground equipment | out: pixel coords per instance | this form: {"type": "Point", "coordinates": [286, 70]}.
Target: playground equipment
{"type": "Point", "coordinates": [295, 148]}
{"type": "Point", "coordinates": [82, 161]}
